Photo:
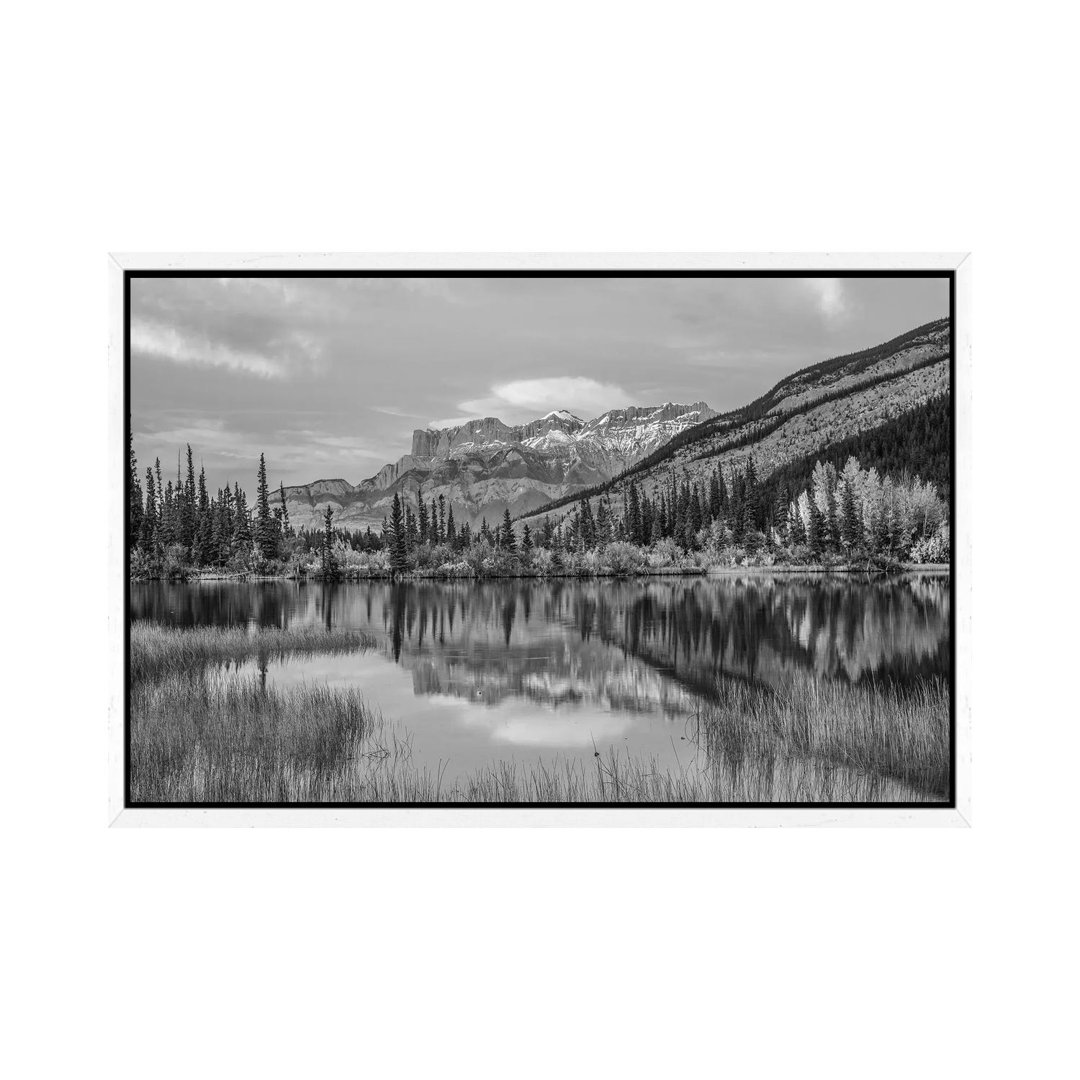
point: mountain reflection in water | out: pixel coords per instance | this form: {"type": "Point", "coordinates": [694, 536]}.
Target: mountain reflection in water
{"type": "Point", "coordinates": [653, 646]}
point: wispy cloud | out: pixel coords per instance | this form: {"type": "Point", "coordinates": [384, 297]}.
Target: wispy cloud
{"type": "Point", "coordinates": [183, 347]}
{"type": "Point", "coordinates": [393, 410]}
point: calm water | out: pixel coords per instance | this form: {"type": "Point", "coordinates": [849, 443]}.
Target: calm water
{"type": "Point", "coordinates": [479, 672]}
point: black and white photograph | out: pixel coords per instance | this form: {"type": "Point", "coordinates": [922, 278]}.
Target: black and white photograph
{"type": "Point", "coordinates": [539, 538]}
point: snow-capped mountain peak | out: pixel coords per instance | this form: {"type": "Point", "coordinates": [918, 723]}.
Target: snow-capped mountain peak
{"type": "Point", "coordinates": [485, 466]}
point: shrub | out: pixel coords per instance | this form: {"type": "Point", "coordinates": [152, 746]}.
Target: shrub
{"type": "Point", "coordinates": [543, 562]}
{"type": "Point", "coordinates": [459, 569]}
{"type": "Point", "coordinates": [932, 549]}
{"type": "Point", "coordinates": [621, 557]}
{"type": "Point", "coordinates": [663, 553]}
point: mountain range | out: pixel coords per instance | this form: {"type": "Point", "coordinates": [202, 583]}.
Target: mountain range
{"type": "Point", "coordinates": [484, 467]}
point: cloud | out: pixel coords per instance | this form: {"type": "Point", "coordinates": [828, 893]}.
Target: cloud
{"type": "Point", "coordinates": [191, 348]}
{"type": "Point", "coordinates": [527, 399]}
{"type": "Point", "coordinates": [830, 295]}
{"type": "Point", "coordinates": [393, 410]}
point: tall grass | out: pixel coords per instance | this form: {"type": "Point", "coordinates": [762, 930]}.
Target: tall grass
{"type": "Point", "coordinates": [220, 737]}
{"type": "Point", "coordinates": [203, 733]}
{"type": "Point", "coordinates": [898, 735]}
{"type": "Point", "coordinates": [158, 650]}
{"type": "Point", "coordinates": [623, 778]}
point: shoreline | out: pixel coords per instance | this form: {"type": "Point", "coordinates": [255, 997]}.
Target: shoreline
{"type": "Point", "coordinates": [815, 569]}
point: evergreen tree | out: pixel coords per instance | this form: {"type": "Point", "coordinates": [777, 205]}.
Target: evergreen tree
{"type": "Point", "coordinates": [443, 521]}
{"type": "Point", "coordinates": [148, 526]}
{"type": "Point", "coordinates": [451, 529]}
{"type": "Point", "coordinates": [242, 538]}
{"type": "Point", "coordinates": [526, 541]}
{"type": "Point", "coordinates": [697, 515]}
{"type": "Point", "coordinates": [633, 512]}
{"type": "Point", "coordinates": [329, 563]}
{"type": "Point", "coordinates": [714, 495]}
{"type": "Point", "coordinates": [160, 498]}
{"type": "Point", "coordinates": [286, 528]}
{"type": "Point", "coordinates": [586, 526]}
{"type": "Point", "coordinates": [399, 554]}
{"type": "Point", "coordinates": [507, 539]}
{"type": "Point", "coordinates": [266, 528]}
{"type": "Point", "coordinates": [190, 509]}
{"type": "Point", "coordinates": [547, 533]}
{"type": "Point", "coordinates": [422, 520]}
{"type": "Point", "coordinates": [135, 495]}
{"type": "Point", "coordinates": [850, 519]}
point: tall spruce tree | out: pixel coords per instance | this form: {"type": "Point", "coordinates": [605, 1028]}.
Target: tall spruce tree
{"type": "Point", "coordinates": [507, 539]}
{"type": "Point", "coordinates": [422, 516]}
{"type": "Point", "coordinates": [135, 495]}
{"type": "Point", "coordinates": [286, 528]}
{"type": "Point", "coordinates": [329, 562]}
{"type": "Point", "coordinates": [266, 527]}
{"type": "Point", "coordinates": [399, 553]}
{"type": "Point", "coordinates": [148, 527]}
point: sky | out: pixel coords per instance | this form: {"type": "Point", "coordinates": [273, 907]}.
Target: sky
{"type": "Point", "coordinates": [330, 376]}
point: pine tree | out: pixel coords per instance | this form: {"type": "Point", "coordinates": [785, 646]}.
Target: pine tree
{"type": "Point", "coordinates": [135, 495]}
{"type": "Point", "coordinates": [160, 499]}
{"type": "Point", "coordinates": [399, 555]}
{"type": "Point", "coordinates": [286, 528]}
{"type": "Point", "coordinates": [148, 527]}
{"type": "Point", "coordinates": [329, 563]}
{"type": "Point", "coordinates": [443, 522]}
{"type": "Point", "coordinates": [422, 516]}
{"type": "Point", "coordinates": [507, 539]}
{"type": "Point", "coordinates": [190, 508]}
{"type": "Point", "coordinates": [242, 524]}
{"type": "Point", "coordinates": [850, 519]}
{"type": "Point", "coordinates": [451, 531]}
{"type": "Point", "coordinates": [586, 526]}
{"type": "Point", "coordinates": [547, 533]}
{"type": "Point", "coordinates": [526, 540]}
{"type": "Point", "coordinates": [633, 515]}
{"type": "Point", "coordinates": [266, 528]}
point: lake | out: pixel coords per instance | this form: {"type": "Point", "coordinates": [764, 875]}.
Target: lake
{"type": "Point", "coordinates": [529, 670]}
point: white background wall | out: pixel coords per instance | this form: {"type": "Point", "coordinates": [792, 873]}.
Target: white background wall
{"type": "Point", "coordinates": [551, 127]}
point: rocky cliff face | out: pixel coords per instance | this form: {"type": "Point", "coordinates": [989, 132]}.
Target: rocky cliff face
{"type": "Point", "coordinates": [485, 466]}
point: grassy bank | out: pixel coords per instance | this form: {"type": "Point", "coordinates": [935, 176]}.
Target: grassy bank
{"type": "Point", "coordinates": [224, 738]}
{"type": "Point", "coordinates": [203, 733]}
{"type": "Point", "coordinates": [158, 650]}
{"type": "Point", "coordinates": [866, 729]}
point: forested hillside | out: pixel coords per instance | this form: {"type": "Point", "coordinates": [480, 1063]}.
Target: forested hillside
{"type": "Point", "coordinates": [918, 443]}
{"type": "Point", "coordinates": [804, 414]}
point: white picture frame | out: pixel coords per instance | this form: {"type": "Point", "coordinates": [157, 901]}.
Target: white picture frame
{"type": "Point", "coordinates": [958, 815]}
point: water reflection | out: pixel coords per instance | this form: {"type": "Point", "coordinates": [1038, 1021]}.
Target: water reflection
{"type": "Point", "coordinates": [633, 646]}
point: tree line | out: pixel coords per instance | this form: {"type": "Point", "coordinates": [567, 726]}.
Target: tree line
{"type": "Point", "coordinates": [175, 528]}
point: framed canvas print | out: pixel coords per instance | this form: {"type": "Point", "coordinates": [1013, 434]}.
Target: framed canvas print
{"type": "Point", "coordinates": [548, 539]}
